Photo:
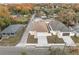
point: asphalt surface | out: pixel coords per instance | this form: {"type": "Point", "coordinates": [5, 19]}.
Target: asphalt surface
{"type": "Point", "coordinates": [23, 50]}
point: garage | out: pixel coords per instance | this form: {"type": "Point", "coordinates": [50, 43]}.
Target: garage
{"type": "Point", "coordinates": [65, 34]}
{"type": "Point", "coordinates": [60, 29]}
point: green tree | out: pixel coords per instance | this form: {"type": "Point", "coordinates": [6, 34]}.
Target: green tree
{"type": "Point", "coordinates": [77, 17]}
{"type": "Point", "coordinates": [67, 15]}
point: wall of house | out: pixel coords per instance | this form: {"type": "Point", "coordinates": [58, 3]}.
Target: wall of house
{"type": "Point", "coordinates": [10, 34]}
{"type": "Point", "coordinates": [54, 32]}
{"type": "Point", "coordinates": [6, 34]}
{"type": "Point", "coordinates": [77, 34]}
{"type": "Point", "coordinates": [72, 34]}
{"type": "Point", "coordinates": [43, 34]}
{"type": "Point", "coordinates": [60, 34]}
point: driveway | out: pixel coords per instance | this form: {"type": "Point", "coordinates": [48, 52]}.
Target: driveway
{"type": "Point", "coordinates": [68, 41]}
{"type": "Point", "coordinates": [42, 41]}
{"type": "Point", "coordinates": [25, 35]}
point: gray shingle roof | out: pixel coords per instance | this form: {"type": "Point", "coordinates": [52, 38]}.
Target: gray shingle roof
{"type": "Point", "coordinates": [76, 28]}
{"type": "Point", "coordinates": [58, 26]}
{"type": "Point", "coordinates": [12, 28]}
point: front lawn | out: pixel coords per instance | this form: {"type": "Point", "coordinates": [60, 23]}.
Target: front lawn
{"type": "Point", "coordinates": [31, 39]}
{"type": "Point", "coordinates": [75, 39]}
{"type": "Point", "coordinates": [54, 39]}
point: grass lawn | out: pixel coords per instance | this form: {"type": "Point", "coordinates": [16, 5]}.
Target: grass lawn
{"type": "Point", "coordinates": [54, 39]}
{"type": "Point", "coordinates": [75, 39]}
{"type": "Point", "coordinates": [12, 41]}
{"type": "Point", "coordinates": [31, 39]}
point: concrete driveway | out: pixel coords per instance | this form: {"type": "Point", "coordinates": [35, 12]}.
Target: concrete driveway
{"type": "Point", "coordinates": [68, 41]}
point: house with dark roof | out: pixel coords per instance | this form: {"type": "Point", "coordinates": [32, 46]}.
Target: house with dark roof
{"type": "Point", "coordinates": [58, 28]}
{"type": "Point", "coordinates": [11, 30]}
{"type": "Point", "coordinates": [75, 29]}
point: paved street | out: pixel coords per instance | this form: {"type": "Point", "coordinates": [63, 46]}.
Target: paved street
{"type": "Point", "coordinates": [21, 50]}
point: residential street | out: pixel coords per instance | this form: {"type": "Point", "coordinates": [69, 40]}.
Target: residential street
{"type": "Point", "coordinates": [21, 50]}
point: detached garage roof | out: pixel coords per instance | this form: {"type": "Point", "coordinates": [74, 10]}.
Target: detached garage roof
{"type": "Point", "coordinates": [58, 26]}
{"type": "Point", "coordinates": [12, 28]}
{"type": "Point", "coordinates": [39, 26]}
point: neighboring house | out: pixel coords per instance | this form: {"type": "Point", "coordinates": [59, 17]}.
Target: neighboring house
{"type": "Point", "coordinates": [76, 29]}
{"type": "Point", "coordinates": [58, 28]}
{"type": "Point", "coordinates": [11, 30]}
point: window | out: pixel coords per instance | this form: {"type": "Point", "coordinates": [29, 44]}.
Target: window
{"type": "Point", "coordinates": [12, 33]}
{"type": "Point", "coordinates": [8, 33]}
{"type": "Point", "coordinates": [66, 34]}
{"type": "Point", "coordinates": [3, 33]}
